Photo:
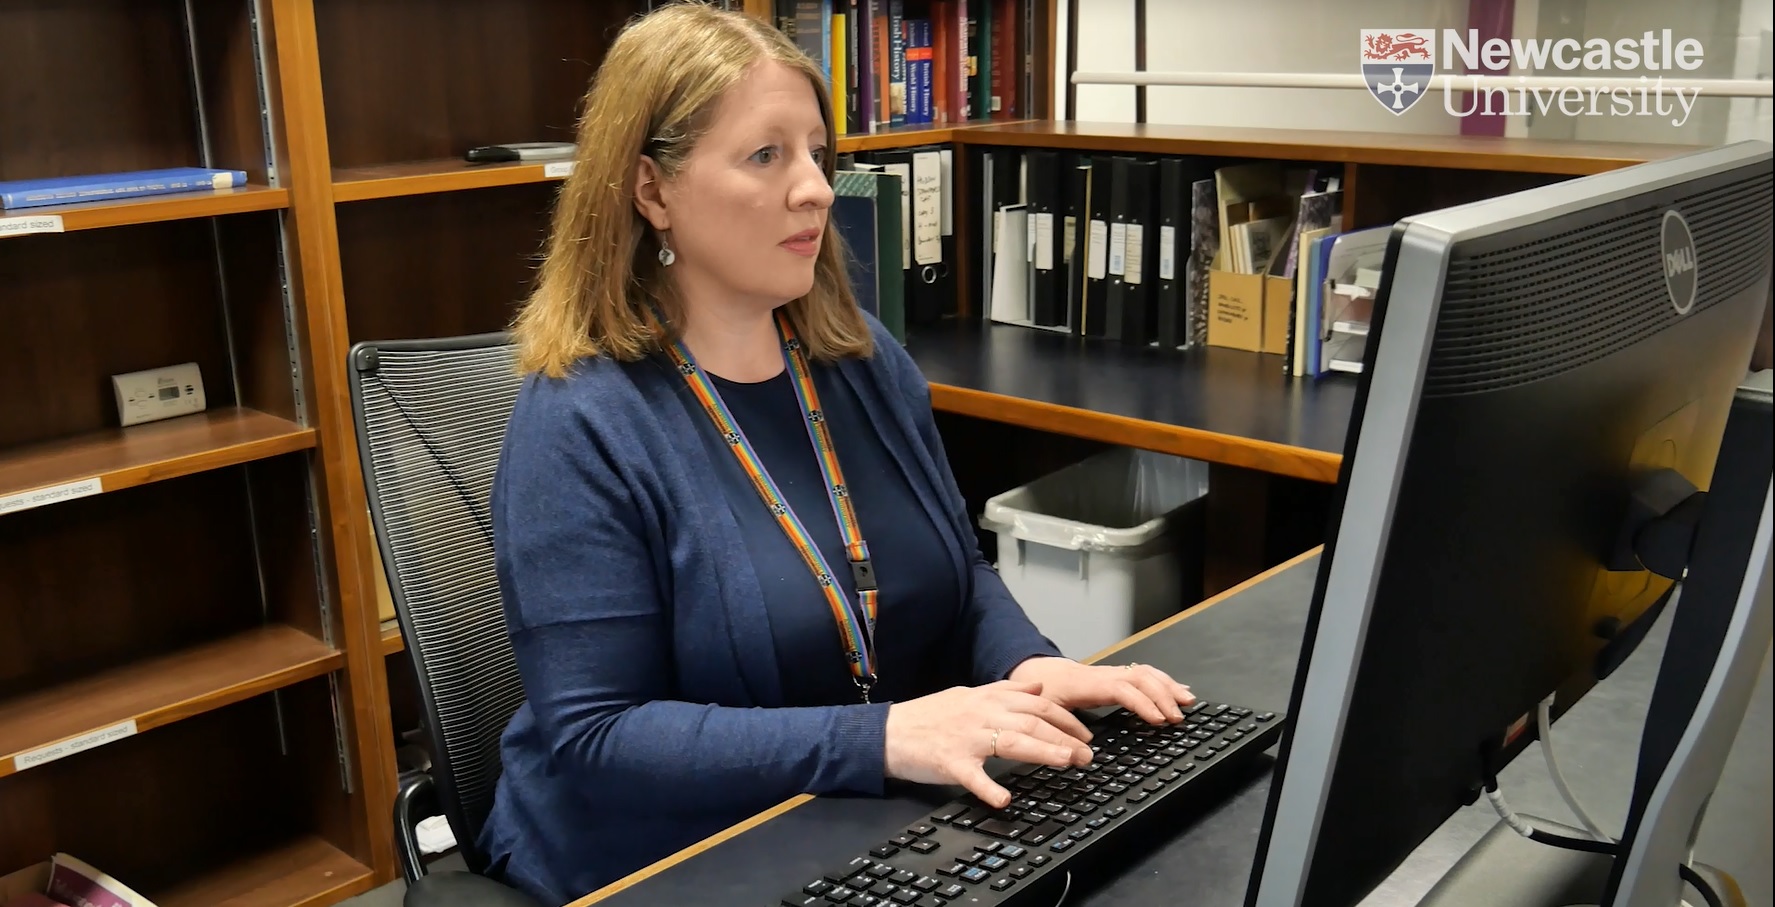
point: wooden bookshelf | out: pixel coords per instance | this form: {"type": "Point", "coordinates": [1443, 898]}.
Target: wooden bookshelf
{"type": "Point", "coordinates": [119, 458]}
{"type": "Point", "coordinates": [156, 691]}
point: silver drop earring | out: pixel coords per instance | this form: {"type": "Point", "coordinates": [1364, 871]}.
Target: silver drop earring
{"type": "Point", "coordinates": [666, 256]}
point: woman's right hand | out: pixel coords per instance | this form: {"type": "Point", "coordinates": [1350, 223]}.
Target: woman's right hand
{"type": "Point", "coordinates": [946, 737]}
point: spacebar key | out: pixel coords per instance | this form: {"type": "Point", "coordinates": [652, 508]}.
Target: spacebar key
{"type": "Point", "coordinates": [1001, 828]}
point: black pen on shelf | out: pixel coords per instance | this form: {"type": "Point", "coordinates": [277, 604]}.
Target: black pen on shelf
{"type": "Point", "coordinates": [509, 152]}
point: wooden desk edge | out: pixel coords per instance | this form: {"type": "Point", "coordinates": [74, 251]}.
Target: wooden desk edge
{"type": "Point", "coordinates": [641, 875]}
{"type": "Point", "coordinates": [1196, 443]}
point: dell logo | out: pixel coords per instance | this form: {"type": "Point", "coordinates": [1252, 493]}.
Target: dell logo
{"type": "Point", "coordinates": [1678, 248]}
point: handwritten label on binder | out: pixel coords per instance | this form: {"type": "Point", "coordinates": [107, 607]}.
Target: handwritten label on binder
{"type": "Point", "coordinates": [80, 744]}
{"type": "Point", "coordinates": [1099, 240]}
{"type": "Point", "coordinates": [1135, 257]}
{"type": "Point", "coordinates": [1167, 253]}
{"type": "Point", "coordinates": [53, 494]}
{"type": "Point", "coordinates": [927, 214]}
{"type": "Point", "coordinates": [1118, 242]}
{"type": "Point", "coordinates": [30, 223]}
{"type": "Point", "coordinates": [557, 170]}
{"type": "Point", "coordinates": [1044, 241]}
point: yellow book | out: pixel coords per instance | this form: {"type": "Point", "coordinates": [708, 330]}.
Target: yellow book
{"type": "Point", "coordinates": [840, 79]}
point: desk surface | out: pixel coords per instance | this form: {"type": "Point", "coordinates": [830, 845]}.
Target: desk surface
{"type": "Point", "coordinates": [1219, 405]}
{"type": "Point", "coordinates": [1242, 646]}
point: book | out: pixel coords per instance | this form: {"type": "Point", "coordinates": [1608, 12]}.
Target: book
{"type": "Point", "coordinates": [67, 190]}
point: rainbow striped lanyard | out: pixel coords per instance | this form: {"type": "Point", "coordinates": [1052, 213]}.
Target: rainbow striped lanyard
{"type": "Point", "coordinates": [858, 636]}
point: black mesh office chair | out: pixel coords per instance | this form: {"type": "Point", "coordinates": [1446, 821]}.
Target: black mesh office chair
{"type": "Point", "coordinates": [430, 416]}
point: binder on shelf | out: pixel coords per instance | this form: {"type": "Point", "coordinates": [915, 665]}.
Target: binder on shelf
{"type": "Point", "coordinates": [1048, 285]}
{"type": "Point", "coordinates": [1133, 244]}
{"type": "Point", "coordinates": [866, 209]}
{"type": "Point", "coordinates": [1094, 251]}
{"type": "Point", "coordinates": [1168, 283]}
{"type": "Point", "coordinates": [96, 187]}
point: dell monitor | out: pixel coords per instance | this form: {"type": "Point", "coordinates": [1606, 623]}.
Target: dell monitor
{"type": "Point", "coordinates": [1547, 373]}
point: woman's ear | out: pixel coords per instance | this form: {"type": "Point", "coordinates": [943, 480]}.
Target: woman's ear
{"type": "Point", "coordinates": [650, 199]}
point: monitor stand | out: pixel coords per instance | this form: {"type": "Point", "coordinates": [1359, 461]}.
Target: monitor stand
{"type": "Point", "coordinates": [1719, 635]}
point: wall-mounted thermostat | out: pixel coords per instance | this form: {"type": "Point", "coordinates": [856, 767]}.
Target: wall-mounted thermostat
{"type": "Point", "coordinates": [159, 393]}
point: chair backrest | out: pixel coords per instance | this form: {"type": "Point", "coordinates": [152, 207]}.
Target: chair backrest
{"type": "Point", "coordinates": [431, 415]}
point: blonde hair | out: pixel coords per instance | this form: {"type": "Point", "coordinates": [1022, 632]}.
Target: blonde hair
{"type": "Point", "coordinates": [655, 94]}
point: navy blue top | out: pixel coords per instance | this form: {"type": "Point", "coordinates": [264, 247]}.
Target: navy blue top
{"type": "Point", "coordinates": [678, 677]}
{"type": "Point", "coordinates": [919, 596]}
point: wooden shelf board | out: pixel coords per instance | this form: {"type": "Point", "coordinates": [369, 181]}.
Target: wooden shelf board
{"type": "Point", "coordinates": [307, 871]}
{"type": "Point", "coordinates": [392, 640]}
{"type": "Point", "coordinates": [1399, 149]}
{"type": "Point", "coordinates": [356, 184]}
{"type": "Point", "coordinates": [152, 452]}
{"type": "Point", "coordinates": [156, 208]}
{"type": "Point", "coordinates": [159, 691]}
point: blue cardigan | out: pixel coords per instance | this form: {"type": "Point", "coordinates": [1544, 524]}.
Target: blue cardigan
{"type": "Point", "coordinates": [654, 713]}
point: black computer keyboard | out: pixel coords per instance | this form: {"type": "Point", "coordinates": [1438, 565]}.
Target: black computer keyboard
{"type": "Point", "coordinates": [966, 854]}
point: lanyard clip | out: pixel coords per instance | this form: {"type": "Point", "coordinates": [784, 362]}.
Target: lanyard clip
{"type": "Point", "coordinates": [863, 572]}
{"type": "Point", "coordinates": [863, 684]}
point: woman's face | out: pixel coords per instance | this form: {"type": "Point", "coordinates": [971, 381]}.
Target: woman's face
{"type": "Point", "coordinates": [746, 215]}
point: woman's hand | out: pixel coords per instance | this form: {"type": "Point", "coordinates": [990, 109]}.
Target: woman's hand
{"type": "Point", "coordinates": [1142, 689]}
{"type": "Point", "coordinates": [946, 737]}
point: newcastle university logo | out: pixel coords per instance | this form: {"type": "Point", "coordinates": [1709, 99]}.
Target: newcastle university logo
{"type": "Point", "coordinates": [1397, 65]}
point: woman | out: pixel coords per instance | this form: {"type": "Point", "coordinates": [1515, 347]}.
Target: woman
{"type": "Point", "coordinates": [700, 379]}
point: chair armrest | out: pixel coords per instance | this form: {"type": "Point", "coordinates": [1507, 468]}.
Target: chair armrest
{"type": "Point", "coordinates": [415, 801]}
{"type": "Point", "coordinates": [463, 889]}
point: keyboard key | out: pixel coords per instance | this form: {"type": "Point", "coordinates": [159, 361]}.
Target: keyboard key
{"type": "Point", "coordinates": [1011, 852]}
{"type": "Point", "coordinates": [994, 863]}
{"type": "Point", "coordinates": [839, 895]}
{"type": "Point", "coordinates": [804, 900]}
{"type": "Point", "coordinates": [952, 870]}
{"type": "Point", "coordinates": [901, 840]}
{"type": "Point", "coordinates": [922, 830]}
{"type": "Point", "coordinates": [1000, 884]}
{"type": "Point", "coordinates": [1040, 860]}
{"type": "Point", "coordinates": [903, 877]}
{"type": "Point", "coordinates": [905, 896]}
{"type": "Point", "coordinates": [1098, 822]}
{"type": "Point", "coordinates": [925, 846]}
{"type": "Point", "coordinates": [817, 886]}
{"type": "Point", "coordinates": [926, 883]}
{"type": "Point", "coordinates": [1021, 872]}
{"type": "Point", "coordinates": [1267, 716]}
{"type": "Point", "coordinates": [952, 891]}
{"type": "Point", "coordinates": [989, 846]}
{"type": "Point", "coordinates": [1041, 834]}
{"type": "Point", "coordinates": [860, 864]}
{"type": "Point", "coordinates": [975, 875]}
{"type": "Point", "coordinates": [1000, 828]}
{"type": "Point", "coordinates": [884, 851]}
{"type": "Point", "coordinates": [931, 900]}
{"type": "Point", "coordinates": [1061, 846]}
{"type": "Point", "coordinates": [1114, 812]}
{"type": "Point", "coordinates": [865, 900]}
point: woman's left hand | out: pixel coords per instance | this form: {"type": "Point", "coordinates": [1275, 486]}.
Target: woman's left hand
{"type": "Point", "coordinates": [1142, 689]}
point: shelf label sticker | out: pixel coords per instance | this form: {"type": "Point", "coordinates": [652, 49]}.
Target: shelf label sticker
{"type": "Point", "coordinates": [73, 745]}
{"type": "Point", "coordinates": [30, 223]}
{"type": "Point", "coordinates": [557, 170]}
{"type": "Point", "coordinates": [53, 494]}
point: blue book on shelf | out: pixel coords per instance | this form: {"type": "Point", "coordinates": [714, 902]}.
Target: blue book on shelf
{"type": "Point", "coordinates": [68, 190]}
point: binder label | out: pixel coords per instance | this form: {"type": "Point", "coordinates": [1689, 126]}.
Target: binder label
{"type": "Point", "coordinates": [1071, 236]}
{"type": "Point", "coordinates": [30, 223]}
{"type": "Point", "coordinates": [1044, 241]}
{"type": "Point", "coordinates": [1131, 259]}
{"type": "Point", "coordinates": [557, 170]}
{"type": "Point", "coordinates": [1167, 253]}
{"type": "Point", "coordinates": [1118, 239]}
{"type": "Point", "coordinates": [1099, 239]}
